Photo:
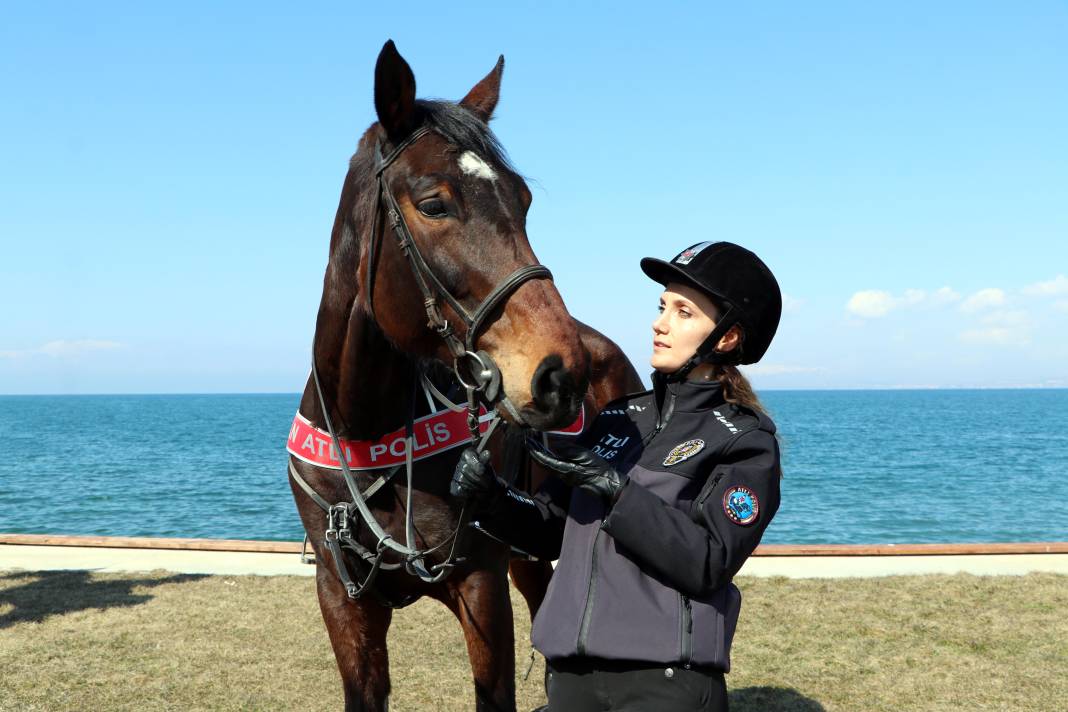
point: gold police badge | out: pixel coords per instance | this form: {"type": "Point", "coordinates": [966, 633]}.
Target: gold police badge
{"type": "Point", "coordinates": [684, 451]}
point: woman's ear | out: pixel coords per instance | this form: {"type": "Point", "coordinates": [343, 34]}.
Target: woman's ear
{"type": "Point", "coordinates": [731, 340]}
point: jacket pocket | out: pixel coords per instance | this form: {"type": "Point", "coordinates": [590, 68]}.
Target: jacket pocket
{"type": "Point", "coordinates": [685, 630]}
{"type": "Point", "coordinates": [714, 619]}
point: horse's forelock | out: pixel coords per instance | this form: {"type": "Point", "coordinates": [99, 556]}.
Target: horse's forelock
{"type": "Point", "coordinates": [457, 125]}
{"type": "Point", "coordinates": [464, 130]}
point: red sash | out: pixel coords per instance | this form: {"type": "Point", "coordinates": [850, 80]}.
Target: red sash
{"type": "Point", "coordinates": [431, 434]}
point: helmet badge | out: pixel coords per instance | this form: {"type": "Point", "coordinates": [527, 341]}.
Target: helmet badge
{"type": "Point", "coordinates": [687, 255]}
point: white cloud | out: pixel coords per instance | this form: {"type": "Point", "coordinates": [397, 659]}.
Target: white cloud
{"type": "Point", "coordinates": [990, 297]}
{"type": "Point", "coordinates": [1053, 288]}
{"type": "Point", "coordinates": [1062, 305]}
{"type": "Point", "coordinates": [875, 303]}
{"type": "Point", "coordinates": [1002, 327]}
{"type": "Point", "coordinates": [1010, 319]}
{"type": "Point", "coordinates": [945, 295]}
{"type": "Point", "coordinates": [64, 348]}
{"type": "Point", "coordinates": [871, 303]}
{"type": "Point", "coordinates": [913, 297]}
{"type": "Point", "coordinates": [777, 369]}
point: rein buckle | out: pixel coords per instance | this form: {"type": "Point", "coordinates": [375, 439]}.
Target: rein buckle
{"type": "Point", "coordinates": [337, 523]}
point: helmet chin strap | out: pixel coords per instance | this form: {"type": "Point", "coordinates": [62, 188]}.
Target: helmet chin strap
{"type": "Point", "coordinates": [706, 352]}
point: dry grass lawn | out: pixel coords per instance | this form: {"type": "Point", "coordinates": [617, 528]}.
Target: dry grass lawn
{"type": "Point", "coordinates": [80, 641]}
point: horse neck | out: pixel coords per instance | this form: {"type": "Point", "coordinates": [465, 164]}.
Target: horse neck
{"type": "Point", "coordinates": [366, 382]}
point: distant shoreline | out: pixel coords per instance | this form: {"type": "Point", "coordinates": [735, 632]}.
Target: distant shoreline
{"type": "Point", "coordinates": [869, 389]}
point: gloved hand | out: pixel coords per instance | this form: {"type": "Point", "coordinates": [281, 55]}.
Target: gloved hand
{"type": "Point", "coordinates": [582, 468]}
{"type": "Point", "coordinates": [474, 479]}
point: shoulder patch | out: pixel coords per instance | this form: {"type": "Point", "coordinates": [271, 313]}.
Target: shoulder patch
{"type": "Point", "coordinates": [741, 506]}
{"type": "Point", "coordinates": [684, 451]}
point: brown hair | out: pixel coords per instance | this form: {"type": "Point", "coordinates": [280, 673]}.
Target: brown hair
{"type": "Point", "coordinates": [736, 388]}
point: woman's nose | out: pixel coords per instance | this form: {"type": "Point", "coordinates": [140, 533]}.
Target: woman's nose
{"type": "Point", "coordinates": [659, 327]}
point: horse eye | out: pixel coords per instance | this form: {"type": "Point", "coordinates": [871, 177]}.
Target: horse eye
{"type": "Point", "coordinates": [433, 208]}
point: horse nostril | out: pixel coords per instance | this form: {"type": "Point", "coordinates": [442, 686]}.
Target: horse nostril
{"type": "Point", "coordinates": [552, 385]}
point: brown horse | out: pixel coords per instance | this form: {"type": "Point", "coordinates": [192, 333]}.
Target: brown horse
{"type": "Point", "coordinates": [448, 183]}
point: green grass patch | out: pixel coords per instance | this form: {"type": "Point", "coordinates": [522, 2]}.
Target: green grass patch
{"type": "Point", "coordinates": [81, 641]}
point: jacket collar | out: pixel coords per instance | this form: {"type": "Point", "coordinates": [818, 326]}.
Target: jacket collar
{"type": "Point", "coordinates": [671, 395]}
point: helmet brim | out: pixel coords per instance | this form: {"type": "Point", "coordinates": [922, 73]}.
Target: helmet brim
{"type": "Point", "coordinates": [666, 273]}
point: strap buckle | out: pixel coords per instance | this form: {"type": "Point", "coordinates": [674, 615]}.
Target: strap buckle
{"type": "Point", "coordinates": [337, 523]}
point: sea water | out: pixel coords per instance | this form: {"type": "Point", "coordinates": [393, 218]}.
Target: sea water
{"type": "Point", "coordinates": [859, 466]}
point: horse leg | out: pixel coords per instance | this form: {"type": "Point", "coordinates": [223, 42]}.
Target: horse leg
{"type": "Point", "coordinates": [481, 603]}
{"type": "Point", "coordinates": [531, 578]}
{"type": "Point", "coordinates": [357, 632]}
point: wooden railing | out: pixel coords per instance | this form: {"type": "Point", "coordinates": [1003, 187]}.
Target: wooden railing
{"type": "Point", "coordinates": [293, 547]}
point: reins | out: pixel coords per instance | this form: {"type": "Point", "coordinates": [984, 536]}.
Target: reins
{"type": "Point", "coordinates": [481, 384]}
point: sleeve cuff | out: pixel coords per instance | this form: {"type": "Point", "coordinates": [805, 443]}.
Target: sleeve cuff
{"type": "Point", "coordinates": [624, 521]}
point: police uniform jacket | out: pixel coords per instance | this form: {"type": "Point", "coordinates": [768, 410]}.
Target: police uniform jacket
{"type": "Point", "coordinates": [649, 578]}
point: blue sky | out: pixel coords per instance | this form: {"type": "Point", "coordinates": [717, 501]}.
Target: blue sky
{"type": "Point", "coordinates": [169, 175]}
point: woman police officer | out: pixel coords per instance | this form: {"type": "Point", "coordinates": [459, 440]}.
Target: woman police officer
{"type": "Point", "coordinates": [658, 505]}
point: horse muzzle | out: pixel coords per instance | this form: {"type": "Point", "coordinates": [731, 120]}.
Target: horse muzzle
{"type": "Point", "coordinates": [557, 395]}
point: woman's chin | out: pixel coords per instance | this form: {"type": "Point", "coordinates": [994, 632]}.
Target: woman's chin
{"type": "Point", "coordinates": [663, 365]}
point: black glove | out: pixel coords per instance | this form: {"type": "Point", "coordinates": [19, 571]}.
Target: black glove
{"type": "Point", "coordinates": [474, 479]}
{"type": "Point", "coordinates": [582, 468]}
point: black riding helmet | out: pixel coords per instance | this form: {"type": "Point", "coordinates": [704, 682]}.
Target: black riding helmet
{"type": "Point", "coordinates": [737, 279]}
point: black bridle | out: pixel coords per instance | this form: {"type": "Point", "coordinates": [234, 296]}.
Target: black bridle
{"type": "Point", "coordinates": [474, 369]}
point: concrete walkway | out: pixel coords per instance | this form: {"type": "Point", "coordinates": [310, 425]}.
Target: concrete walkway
{"type": "Point", "coordinates": [870, 566]}
{"type": "Point", "coordinates": [227, 563]}
{"type": "Point", "coordinates": [236, 563]}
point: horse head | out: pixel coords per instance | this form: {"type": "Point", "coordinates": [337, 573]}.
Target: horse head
{"type": "Point", "coordinates": [464, 207]}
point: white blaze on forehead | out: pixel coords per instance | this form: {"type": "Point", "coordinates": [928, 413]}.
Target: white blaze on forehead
{"type": "Point", "coordinates": [471, 163]}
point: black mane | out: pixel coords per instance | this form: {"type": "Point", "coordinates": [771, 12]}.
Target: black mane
{"type": "Point", "coordinates": [463, 129]}
{"type": "Point", "coordinates": [459, 127]}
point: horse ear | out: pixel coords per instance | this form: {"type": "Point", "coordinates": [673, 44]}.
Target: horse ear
{"type": "Point", "coordinates": [394, 93]}
{"type": "Point", "coordinates": [482, 99]}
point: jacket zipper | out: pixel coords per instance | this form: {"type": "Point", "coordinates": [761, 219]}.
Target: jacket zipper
{"type": "Point", "coordinates": [591, 590]}
{"type": "Point", "coordinates": [686, 630]}
{"type": "Point", "coordinates": [662, 418]}
{"type": "Point", "coordinates": [584, 625]}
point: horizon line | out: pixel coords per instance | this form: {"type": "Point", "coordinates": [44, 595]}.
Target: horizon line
{"type": "Point", "coordinates": [1031, 387]}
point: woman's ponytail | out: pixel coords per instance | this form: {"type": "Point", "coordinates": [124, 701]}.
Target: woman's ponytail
{"type": "Point", "coordinates": [736, 388]}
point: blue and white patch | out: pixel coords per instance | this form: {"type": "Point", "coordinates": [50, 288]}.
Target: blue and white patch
{"type": "Point", "coordinates": [684, 451]}
{"type": "Point", "coordinates": [741, 506]}
{"type": "Point", "coordinates": [687, 255]}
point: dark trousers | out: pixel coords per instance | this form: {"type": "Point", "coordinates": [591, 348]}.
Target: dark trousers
{"type": "Point", "coordinates": [587, 685]}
